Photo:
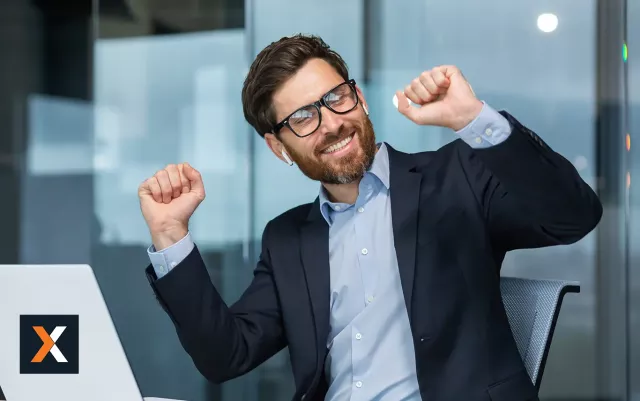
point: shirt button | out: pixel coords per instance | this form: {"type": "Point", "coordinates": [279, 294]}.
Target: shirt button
{"type": "Point", "coordinates": [365, 251]}
{"type": "Point", "coordinates": [173, 264]}
{"type": "Point", "coordinates": [358, 336]}
{"type": "Point", "coordinates": [360, 209]}
{"type": "Point", "coordinates": [358, 384]}
{"type": "Point", "coordinates": [336, 207]}
{"type": "Point", "coordinates": [488, 132]}
{"type": "Point", "coordinates": [478, 140]}
{"type": "Point", "coordinates": [161, 268]}
{"type": "Point", "coordinates": [369, 299]}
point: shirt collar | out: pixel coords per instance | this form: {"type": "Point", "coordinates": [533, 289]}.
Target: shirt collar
{"type": "Point", "coordinates": [380, 166]}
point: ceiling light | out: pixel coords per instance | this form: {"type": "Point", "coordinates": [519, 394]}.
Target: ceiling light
{"type": "Point", "coordinates": [547, 22]}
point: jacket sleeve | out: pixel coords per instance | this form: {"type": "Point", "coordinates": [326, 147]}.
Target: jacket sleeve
{"type": "Point", "coordinates": [223, 342]}
{"type": "Point", "coordinates": [529, 195]}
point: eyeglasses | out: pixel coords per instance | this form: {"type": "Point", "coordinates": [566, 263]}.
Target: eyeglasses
{"type": "Point", "coordinates": [307, 119]}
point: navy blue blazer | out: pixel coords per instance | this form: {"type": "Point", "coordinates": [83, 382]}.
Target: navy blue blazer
{"type": "Point", "coordinates": [456, 212]}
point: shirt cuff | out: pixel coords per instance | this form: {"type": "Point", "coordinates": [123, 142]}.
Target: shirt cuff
{"type": "Point", "coordinates": [170, 257]}
{"type": "Point", "coordinates": [489, 128]}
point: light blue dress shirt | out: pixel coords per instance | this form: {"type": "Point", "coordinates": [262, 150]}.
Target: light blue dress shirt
{"type": "Point", "coordinates": [371, 354]}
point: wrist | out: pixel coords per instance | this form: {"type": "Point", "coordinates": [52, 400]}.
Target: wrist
{"type": "Point", "coordinates": [467, 116]}
{"type": "Point", "coordinates": [165, 238]}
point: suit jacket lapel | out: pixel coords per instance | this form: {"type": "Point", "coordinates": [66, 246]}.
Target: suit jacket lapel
{"type": "Point", "coordinates": [404, 188]}
{"type": "Point", "coordinates": [315, 259]}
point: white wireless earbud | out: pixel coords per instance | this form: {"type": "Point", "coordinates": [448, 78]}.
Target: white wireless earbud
{"type": "Point", "coordinates": [395, 101]}
{"type": "Point", "coordinates": [286, 157]}
{"type": "Point", "coordinates": [365, 109]}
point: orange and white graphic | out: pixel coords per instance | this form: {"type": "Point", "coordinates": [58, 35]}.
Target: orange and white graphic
{"type": "Point", "coordinates": [49, 344]}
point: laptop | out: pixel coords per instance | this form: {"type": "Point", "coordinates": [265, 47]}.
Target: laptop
{"type": "Point", "coordinates": [57, 339]}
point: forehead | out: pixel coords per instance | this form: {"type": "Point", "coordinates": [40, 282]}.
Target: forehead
{"type": "Point", "coordinates": [312, 81]}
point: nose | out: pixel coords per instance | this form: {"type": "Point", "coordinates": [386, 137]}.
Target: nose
{"type": "Point", "coordinates": [331, 122]}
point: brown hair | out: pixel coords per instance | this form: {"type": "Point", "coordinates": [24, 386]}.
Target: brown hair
{"type": "Point", "coordinates": [274, 65]}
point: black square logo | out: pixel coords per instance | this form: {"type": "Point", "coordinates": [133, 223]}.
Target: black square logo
{"type": "Point", "coordinates": [49, 344]}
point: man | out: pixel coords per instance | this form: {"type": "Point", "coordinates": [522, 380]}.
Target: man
{"type": "Point", "coordinates": [386, 287]}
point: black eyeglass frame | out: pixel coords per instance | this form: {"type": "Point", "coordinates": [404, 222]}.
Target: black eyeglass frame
{"type": "Point", "coordinates": [317, 104]}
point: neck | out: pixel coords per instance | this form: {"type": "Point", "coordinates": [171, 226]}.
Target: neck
{"type": "Point", "coordinates": [343, 193]}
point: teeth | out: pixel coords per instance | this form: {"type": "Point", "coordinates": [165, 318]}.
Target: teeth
{"type": "Point", "coordinates": [339, 145]}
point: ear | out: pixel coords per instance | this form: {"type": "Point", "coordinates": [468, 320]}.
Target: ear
{"type": "Point", "coordinates": [277, 147]}
{"type": "Point", "coordinates": [363, 101]}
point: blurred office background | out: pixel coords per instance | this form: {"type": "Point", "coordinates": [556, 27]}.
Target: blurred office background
{"type": "Point", "coordinates": [97, 96]}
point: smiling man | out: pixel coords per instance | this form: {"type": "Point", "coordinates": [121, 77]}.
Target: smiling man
{"type": "Point", "coordinates": [386, 286]}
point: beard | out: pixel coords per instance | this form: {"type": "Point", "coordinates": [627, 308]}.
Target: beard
{"type": "Point", "coordinates": [348, 168]}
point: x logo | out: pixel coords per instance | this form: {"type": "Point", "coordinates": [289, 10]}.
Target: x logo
{"type": "Point", "coordinates": [49, 344]}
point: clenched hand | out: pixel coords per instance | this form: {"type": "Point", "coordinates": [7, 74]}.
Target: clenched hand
{"type": "Point", "coordinates": [168, 200]}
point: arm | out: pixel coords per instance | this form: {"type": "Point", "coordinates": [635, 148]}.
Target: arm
{"type": "Point", "coordinates": [530, 195]}
{"type": "Point", "coordinates": [223, 342]}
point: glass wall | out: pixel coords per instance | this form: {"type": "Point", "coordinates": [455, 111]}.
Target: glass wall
{"type": "Point", "coordinates": [170, 92]}
{"type": "Point", "coordinates": [96, 99]}
{"type": "Point", "coordinates": [546, 79]}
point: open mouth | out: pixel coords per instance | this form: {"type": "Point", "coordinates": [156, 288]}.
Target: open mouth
{"type": "Point", "coordinates": [336, 147]}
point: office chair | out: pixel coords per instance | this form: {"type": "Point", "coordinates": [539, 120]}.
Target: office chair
{"type": "Point", "coordinates": [532, 308]}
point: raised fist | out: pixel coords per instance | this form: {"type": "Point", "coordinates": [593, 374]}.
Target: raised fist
{"type": "Point", "coordinates": [443, 98]}
{"type": "Point", "coordinates": [168, 199]}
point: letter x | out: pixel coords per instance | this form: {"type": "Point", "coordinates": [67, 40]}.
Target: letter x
{"type": "Point", "coordinates": [49, 344]}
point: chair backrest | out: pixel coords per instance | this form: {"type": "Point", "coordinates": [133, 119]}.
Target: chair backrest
{"type": "Point", "coordinates": [532, 308]}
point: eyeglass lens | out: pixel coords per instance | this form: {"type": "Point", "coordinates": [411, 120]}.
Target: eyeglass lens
{"type": "Point", "coordinates": [307, 119]}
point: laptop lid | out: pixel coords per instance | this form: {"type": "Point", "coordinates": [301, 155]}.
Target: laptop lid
{"type": "Point", "coordinates": [57, 339]}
